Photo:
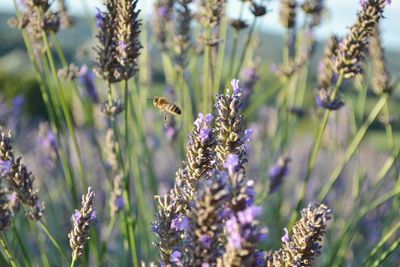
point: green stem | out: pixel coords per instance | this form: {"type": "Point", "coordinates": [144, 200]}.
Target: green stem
{"type": "Point", "coordinates": [7, 251]}
{"type": "Point", "coordinates": [314, 154]}
{"type": "Point", "coordinates": [353, 147]}
{"type": "Point", "coordinates": [206, 73]}
{"type": "Point", "coordinates": [381, 243]}
{"type": "Point", "coordinates": [385, 255]}
{"type": "Point", "coordinates": [66, 113]}
{"type": "Point", "coordinates": [52, 239]}
{"type": "Point", "coordinates": [244, 51]}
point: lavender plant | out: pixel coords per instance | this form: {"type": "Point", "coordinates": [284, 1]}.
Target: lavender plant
{"type": "Point", "coordinates": [200, 189]}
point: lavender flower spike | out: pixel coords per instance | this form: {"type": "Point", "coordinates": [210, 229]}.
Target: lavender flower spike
{"type": "Point", "coordinates": [81, 221]}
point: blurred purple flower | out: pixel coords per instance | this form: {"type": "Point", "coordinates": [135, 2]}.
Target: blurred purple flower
{"type": "Point", "coordinates": [199, 121]}
{"type": "Point", "coordinates": [18, 104]}
{"type": "Point", "coordinates": [206, 241]}
{"type": "Point", "coordinates": [233, 232]}
{"type": "Point", "coordinates": [208, 119]}
{"type": "Point", "coordinates": [277, 173]}
{"type": "Point", "coordinates": [119, 202]}
{"type": "Point", "coordinates": [180, 223]}
{"type": "Point", "coordinates": [87, 77]}
{"type": "Point", "coordinates": [99, 19]}
{"type": "Point", "coordinates": [232, 161]}
{"type": "Point", "coordinates": [248, 133]}
{"type": "Point", "coordinates": [204, 134]}
{"type": "Point", "coordinates": [286, 238]}
{"type": "Point", "coordinates": [170, 132]}
{"type": "Point", "coordinates": [122, 45]}
{"type": "Point", "coordinates": [249, 214]}
{"type": "Point", "coordinates": [76, 217]}
{"type": "Point", "coordinates": [235, 86]}
{"type": "Point", "coordinates": [324, 102]}
{"type": "Point", "coordinates": [5, 167]}
{"type": "Point", "coordinates": [175, 257]}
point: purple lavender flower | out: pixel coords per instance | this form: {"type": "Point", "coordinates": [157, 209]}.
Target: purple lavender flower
{"type": "Point", "coordinates": [260, 258]}
{"type": "Point", "coordinates": [170, 132]}
{"type": "Point", "coordinates": [175, 257]}
{"type": "Point", "coordinates": [232, 161]}
{"type": "Point", "coordinates": [248, 133]}
{"type": "Point", "coordinates": [180, 223]}
{"type": "Point", "coordinates": [208, 119]}
{"type": "Point", "coordinates": [99, 19]}
{"type": "Point", "coordinates": [204, 134]}
{"type": "Point", "coordinates": [122, 45]}
{"type": "Point", "coordinates": [277, 173]}
{"type": "Point", "coordinates": [119, 202]}
{"type": "Point", "coordinates": [233, 232]}
{"type": "Point", "coordinates": [87, 77]}
{"type": "Point", "coordinates": [324, 102]}
{"type": "Point", "coordinates": [249, 214]}
{"type": "Point", "coordinates": [199, 121]}
{"type": "Point", "coordinates": [286, 238]}
{"type": "Point", "coordinates": [205, 264]}
{"type": "Point", "coordinates": [164, 12]}
{"type": "Point", "coordinates": [76, 217]}
{"type": "Point", "coordinates": [17, 104]}
{"type": "Point", "coordinates": [206, 241]}
{"type": "Point", "coordinates": [235, 86]}
{"type": "Point", "coordinates": [5, 167]}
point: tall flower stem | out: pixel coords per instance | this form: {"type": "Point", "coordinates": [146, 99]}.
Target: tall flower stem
{"type": "Point", "coordinates": [234, 46]}
{"type": "Point", "coordinates": [206, 72]}
{"type": "Point", "coordinates": [245, 48]}
{"type": "Point", "coordinates": [52, 239]}
{"type": "Point", "coordinates": [66, 112]}
{"type": "Point", "coordinates": [314, 154]}
{"type": "Point", "coordinates": [353, 146]}
{"type": "Point", "coordinates": [7, 251]}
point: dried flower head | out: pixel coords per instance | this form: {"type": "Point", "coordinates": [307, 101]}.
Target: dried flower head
{"type": "Point", "coordinates": [211, 12]}
{"type": "Point", "coordinates": [181, 38]}
{"type": "Point", "coordinates": [6, 213]}
{"type": "Point", "coordinates": [118, 37]}
{"type": "Point", "coordinates": [66, 20]}
{"type": "Point", "coordinates": [87, 78]}
{"type": "Point", "coordinates": [162, 21]}
{"type": "Point", "coordinates": [258, 10]}
{"type": "Point", "coordinates": [47, 142]}
{"type": "Point", "coordinates": [81, 220]}
{"type": "Point", "coordinates": [206, 221]}
{"type": "Point", "coordinates": [69, 73]}
{"type": "Point", "coordinates": [117, 202]}
{"type": "Point", "coordinates": [20, 179]}
{"type": "Point", "coordinates": [238, 24]}
{"type": "Point", "coordinates": [277, 173]}
{"type": "Point", "coordinates": [37, 18]}
{"type": "Point", "coordinates": [287, 13]}
{"type": "Point", "coordinates": [112, 108]}
{"type": "Point", "coordinates": [381, 76]}
{"type": "Point", "coordinates": [127, 37]}
{"type": "Point", "coordinates": [303, 246]}
{"type": "Point", "coordinates": [229, 126]}
{"type": "Point", "coordinates": [351, 52]}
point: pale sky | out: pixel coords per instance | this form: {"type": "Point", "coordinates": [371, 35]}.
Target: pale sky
{"type": "Point", "coordinates": [342, 15]}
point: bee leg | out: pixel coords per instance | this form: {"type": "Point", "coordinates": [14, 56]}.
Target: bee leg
{"type": "Point", "coordinates": [165, 119]}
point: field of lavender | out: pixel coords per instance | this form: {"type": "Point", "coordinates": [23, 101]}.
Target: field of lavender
{"type": "Point", "coordinates": [177, 139]}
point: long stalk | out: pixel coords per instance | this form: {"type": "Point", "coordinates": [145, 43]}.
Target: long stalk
{"type": "Point", "coordinates": [314, 154]}
{"type": "Point", "coordinates": [353, 147]}
{"type": "Point", "coordinates": [245, 48]}
{"type": "Point", "coordinates": [7, 251]}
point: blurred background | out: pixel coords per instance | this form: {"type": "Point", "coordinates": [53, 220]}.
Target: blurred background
{"type": "Point", "coordinates": [17, 78]}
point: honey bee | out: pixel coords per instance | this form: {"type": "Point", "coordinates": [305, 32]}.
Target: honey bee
{"type": "Point", "coordinates": [167, 107]}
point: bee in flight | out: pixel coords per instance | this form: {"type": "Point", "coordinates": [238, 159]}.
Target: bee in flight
{"type": "Point", "coordinates": [167, 107]}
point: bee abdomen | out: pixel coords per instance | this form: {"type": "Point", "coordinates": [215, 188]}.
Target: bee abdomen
{"type": "Point", "coordinates": [176, 110]}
